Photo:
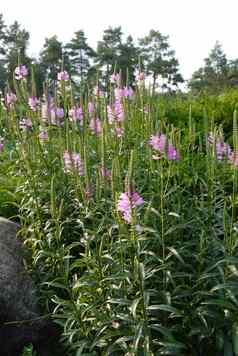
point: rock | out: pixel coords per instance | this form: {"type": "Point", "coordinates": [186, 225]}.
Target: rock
{"type": "Point", "coordinates": [20, 322]}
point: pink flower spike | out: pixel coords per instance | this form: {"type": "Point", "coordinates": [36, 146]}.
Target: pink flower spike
{"type": "Point", "coordinates": [90, 108]}
{"type": "Point", "coordinates": [127, 202]}
{"type": "Point", "coordinates": [76, 114]}
{"type": "Point", "coordinates": [1, 147]}
{"type": "Point", "coordinates": [63, 76]}
{"type": "Point", "coordinates": [21, 72]}
{"type": "Point", "coordinates": [73, 161]}
{"type": "Point", "coordinates": [115, 78]}
{"type": "Point", "coordinates": [128, 92]}
{"type": "Point", "coordinates": [11, 98]}
{"type": "Point", "coordinates": [172, 153]}
{"type": "Point", "coordinates": [33, 102]}
{"type": "Point", "coordinates": [136, 199]}
{"type": "Point", "coordinates": [95, 126]}
{"type": "Point", "coordinates": [119, 131]}
{"type": "Point", "coordinates": [158, 142]}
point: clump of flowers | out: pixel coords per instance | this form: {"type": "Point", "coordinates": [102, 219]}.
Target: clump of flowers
{"type": "Point", "coordinates": [76, 114]}
{"type": "Point", "coordinates": [21, 72]}
{"type": "Point", "coordinates": [127, 202]}
{"type": "Point", "coordinates": [159, 143]}
{"type": "Point", "coordinates": [172, 153]}
{"type": "Point", "coordinates": [223, 150]}
{"type": "Point", "coordinates": [115, 112]}
{"type": "Point", "coordinates": [126, 92]}
{"type": "Point", "coordinates": [73, 162]}
{"type": "Point", "coordinates": [115, 78]}
{"type": "Point", "coordinates": [63, 76]}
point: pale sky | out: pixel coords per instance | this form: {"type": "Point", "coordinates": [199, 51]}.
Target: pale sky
{"type": "Point", "coordinates": [193, 26]}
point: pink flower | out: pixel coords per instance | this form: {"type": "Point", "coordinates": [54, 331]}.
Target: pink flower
{"type": "Point", "coordinates": [33, 102]}
{"type": "Point", "coordinates": [1, 144]}
{"type": "Point", "coordinates": [172, 154]}
{"type": "Point", "coordinates": [21, 72]}
{"type": "Point", "coordinates": [11, 98]}
{"type": "Point", "coordinates": [63, 76]}
{"type": "Point", "coordinates": [73, 161]}
{"type": "Point", "coordinates": [119, 93]}
{"type": "Point", "coordinates": [115, 78]}
{"type": "Point", "coordinates": [158, 142]}
{"type": "Point", "coordinates": [115, 112]}
{"type": "Point", "coordinates": [90, 108]}
{"type": "Point", "coordinates": [128, 201]}
{"type": "Point", "coordinates": [119, 131]}
{"type": "Point", "coordinates": [76, 114]}
{"type": "Point", "coordinates": [78, 163]}
{"type": "Point", "coordinates": [95, 126]}
{"type": "Point", "coordinates": [222, 149]}
{"type": "Point", "coordinates": [128, 92]}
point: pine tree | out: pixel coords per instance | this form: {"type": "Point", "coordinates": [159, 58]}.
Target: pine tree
{"type": "Point", "coordinates": [159, 60]}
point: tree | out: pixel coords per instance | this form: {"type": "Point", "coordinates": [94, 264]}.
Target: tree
{"type": "Point", "coordinates": [51, 58]}
{"type": "Point", "coordinates": [128, 60]}
{"type": "Point", "coordinates": [80, 55]}
{"type": "Point", "coordinates": [158, 59]}
{"type": "Point", "coordinates": [214, 75]}
{"type": "Point", "coordinates": [109, 51]}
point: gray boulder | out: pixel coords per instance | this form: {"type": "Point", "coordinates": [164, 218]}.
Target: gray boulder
{"type": "Point", "coordinates": [19, 313]}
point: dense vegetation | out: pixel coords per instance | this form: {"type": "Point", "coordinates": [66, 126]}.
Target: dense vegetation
{"type": "Point", "coordinates": [126, 193]}
{"type": "Point", "coordinates": [128, 204]}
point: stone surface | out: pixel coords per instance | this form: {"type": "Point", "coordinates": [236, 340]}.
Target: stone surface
{"type": "Point", "coordinates": [18, 301]}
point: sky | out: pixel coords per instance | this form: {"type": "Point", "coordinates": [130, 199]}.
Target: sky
{"type": "Point", "coordinates": [193, 26]}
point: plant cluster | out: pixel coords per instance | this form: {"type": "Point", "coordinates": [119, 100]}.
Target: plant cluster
{"type": "Point", "coordinates": [132, 222]}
